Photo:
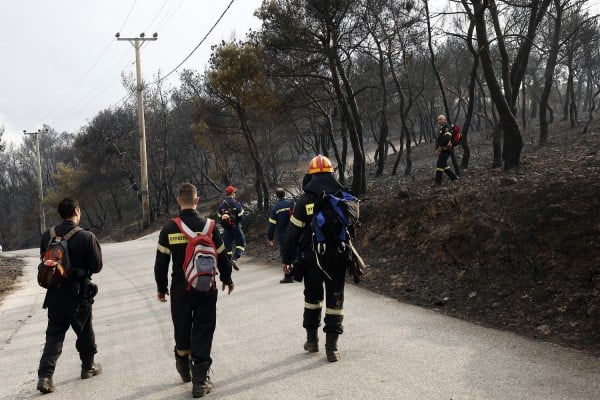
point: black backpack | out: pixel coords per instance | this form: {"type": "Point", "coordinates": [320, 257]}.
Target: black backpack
{"type": "Point", "coordinates": [229, 210]}
{"type": "Point", "coordinates": [55, 265]}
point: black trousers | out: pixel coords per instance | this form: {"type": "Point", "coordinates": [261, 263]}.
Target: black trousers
{"type": "Point", "coordinates": [77, 315]}
{"type": "Point", "coordinates": [194, 317]}
{"type": "Point", "coordinates": [442, 166]}
{"type": "Point", "coordinates": [318, 286]}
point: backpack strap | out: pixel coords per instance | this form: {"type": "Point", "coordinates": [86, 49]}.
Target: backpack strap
{"type": "Point", "coordinates": [184, 228]}
{"type": "Point", "coordinates": [71, 232]}
{"type": "Point", "coordinates": [187, 231]}
{"type": "Point", "coordinates": [208, 227]}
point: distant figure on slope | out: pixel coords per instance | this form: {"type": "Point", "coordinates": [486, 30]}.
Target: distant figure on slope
{"type": "Point", "coordinates": [443, 150]}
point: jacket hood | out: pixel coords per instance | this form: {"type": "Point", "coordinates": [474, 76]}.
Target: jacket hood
{"type": "Point", "coordinates": [323, 182]}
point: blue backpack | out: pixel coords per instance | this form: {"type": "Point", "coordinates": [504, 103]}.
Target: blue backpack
{"type": "Point", "coordinates": [333, 214]}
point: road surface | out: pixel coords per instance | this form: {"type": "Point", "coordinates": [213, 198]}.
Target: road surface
{"type": "Point", "coordinates": [389, 350]}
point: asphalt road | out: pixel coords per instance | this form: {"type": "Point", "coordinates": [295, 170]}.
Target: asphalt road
{"type": "Point", "coordinates": [389, 350]}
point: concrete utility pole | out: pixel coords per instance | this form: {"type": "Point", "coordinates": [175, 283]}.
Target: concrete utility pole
{"type": "Point", "coordinates": [39, 175]}
{"type": "Point", "coordinates": [137, 43]}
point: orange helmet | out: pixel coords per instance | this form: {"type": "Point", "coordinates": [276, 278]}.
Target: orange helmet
{"type": "Point", "coordinates": [320, 164]}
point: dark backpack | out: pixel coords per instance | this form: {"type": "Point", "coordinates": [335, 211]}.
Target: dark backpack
{"type": "Point", "coordinates": [55, 265]}
{"type": "Point", "coordinates": [200, 262]}
{"type": "Point", "coordinates": [229, 210]}
{"type": "Point", "coordinates": [456, 135]}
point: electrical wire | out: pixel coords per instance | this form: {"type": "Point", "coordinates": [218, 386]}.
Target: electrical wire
{"type": "Point", "coordinates": [78, 84]}
{"type": "Point", "coordinates": [198, 45]}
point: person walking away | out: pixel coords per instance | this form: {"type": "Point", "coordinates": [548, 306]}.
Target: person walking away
{"type": "Point", "coordinates": [328, 270]}
{"type": "Point", "coordinates": [193, 312]}
{"type": "Point", "coordinates": [70, 304]}
{"type": "Point", "coordinates": [443, 150]}
{"type": "Point", "coordinates": [231, 215]}
{"type": "Point", "coordinates": [279, 218]}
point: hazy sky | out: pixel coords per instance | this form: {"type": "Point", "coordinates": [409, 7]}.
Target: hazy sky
{"type": "Point", "coordinates": [60, 63]}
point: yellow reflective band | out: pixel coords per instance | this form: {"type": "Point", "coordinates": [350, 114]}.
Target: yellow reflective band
{"type": "Point", "coordinates": [282, 210]}
{"type": "Point", "coordinates": [272, 221]}
{"type": "Point", "coordinates": [309, 208]}
{"type": "Point", "coordinates": [241, 213]}
{"type": "Point", "coordinates": [311, 306]}
{"type": "Point", "coordinates": [164, 250]}
{"type": "Point", "coordinates": [220, 249]}
{"type": "Point", "coordinates": [240, 247]}
{"type": "Point", "coordinates": [334, 311]}
{"type": "Point", "coordinates": [182, 353]}
{"type": "Point", "coordinates": [447, 167]}
{"type": "Point", "coordinates": [297, 222]}
{"type": "Point", "coordinates": [440, 169]}
{"type": "Point", "coordinates": [177, 238]}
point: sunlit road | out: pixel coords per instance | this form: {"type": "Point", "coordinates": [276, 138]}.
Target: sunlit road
{"type": "Point", "coordinates": [389, 350]}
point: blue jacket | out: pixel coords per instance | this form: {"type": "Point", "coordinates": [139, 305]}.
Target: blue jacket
{"type": "Point", "coordinates": [279, 218]}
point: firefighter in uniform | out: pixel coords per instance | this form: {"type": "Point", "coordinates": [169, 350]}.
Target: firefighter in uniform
{"type": "Point", "coordinates": [279, 218]}
{"type": "Point", "coordinates": [328, 270]}
{"type": "Point", "coordinates": [443, 150]}
{"type": "Point", "coordinates": [70, 304]}
{"type": "Point", "coordinates": [232, 230]}
{"type": "Point", "coordinates": [194, 313]}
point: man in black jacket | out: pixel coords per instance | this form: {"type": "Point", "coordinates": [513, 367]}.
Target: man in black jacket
{"type": "Point", "coordinates": [70, 304]}
{"type": "Point", "coordinates": [194, 313]}
{"type": "Point", "coordinates": [443, 150]}
{"type": "Point", "coordinates": [279, 218]}
{"type": "Point", "coordinates": [328, 270]}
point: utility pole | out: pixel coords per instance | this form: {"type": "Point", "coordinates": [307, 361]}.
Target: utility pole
{"type": "Point", "coordinates": [39, 176]}
{"type": "Point", "coordinates": [137, 43]}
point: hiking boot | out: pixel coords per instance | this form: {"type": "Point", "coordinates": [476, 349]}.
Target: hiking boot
{"type": "Point", "coordinates": [45, 385]}
{"type": "Point", "coordinates": [287, 279]}
{"type": "Point", "coordinates": [312, 341]}
{"type": "Point", "coordinates": [235, 265]}
{"type": "Point", "coordinates": [88, 367]}
{"type": "Point", "coordinates": [331, 349]}
{"type": "Point", "coordinates": [200, 380]}
{"type": "Point", "coordinates": [93, 370]}
{"type": "Point", "coordinates": [182, 364]}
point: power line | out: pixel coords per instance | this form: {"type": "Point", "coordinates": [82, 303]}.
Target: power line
{"type": "Point", "coordinates": [197, 46]}
{"type": "Point", "coordinates": [61, 101]}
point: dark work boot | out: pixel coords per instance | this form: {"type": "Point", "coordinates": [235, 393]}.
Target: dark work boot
{"type": "Point", "coordinates": [312, 341]}
{"type": "Point", "coordinates": [182, 364]}
{"type": "Point", "coordinates": [331, 348]}
{"type": "Point", "coordinates": [88, 367]}
{"type": "Point", "coordinates": [438, 177]}
{"type": "Point", "coordinates": [200, 380]}
{"type": "Point", "coordinates": [45, 385]}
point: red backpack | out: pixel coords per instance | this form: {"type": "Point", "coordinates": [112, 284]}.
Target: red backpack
{"type": "Point", "coordinates": [456, 135]}
{"type": "Point", "coordinates": [200, 263]}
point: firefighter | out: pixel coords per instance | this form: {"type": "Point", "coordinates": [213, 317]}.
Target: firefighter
{"type": "Point", "coordinates": [323, 277]}
{"type": "Point", "coordinates": [279, 218]}
{"type": "Point", "coordinates": [443, 150]}
{"type": "Point", "coordinates": [194, 313]}
{"type": "Point", "coordinates": [231, 214]}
